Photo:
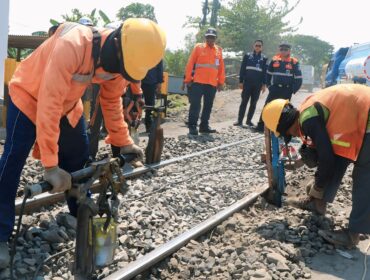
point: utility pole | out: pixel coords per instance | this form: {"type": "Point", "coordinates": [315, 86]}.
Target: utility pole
{"type": "Point", "coordinates": [205, 11]}
{"type": "Point", "coordinates": [4, 29]}
{"type": "Point", "coordinates": [216, 6]}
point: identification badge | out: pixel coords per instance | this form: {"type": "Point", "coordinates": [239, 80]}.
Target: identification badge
{"type": "Point", "coordinates": [217, 62]}
{"type": "Point", "coordinates": [258, 66]}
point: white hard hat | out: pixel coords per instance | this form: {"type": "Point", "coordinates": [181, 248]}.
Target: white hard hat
{"type": "Point", "coordinates": [113, 25]}
{"type": "Point", "coordinates": [85, 21]}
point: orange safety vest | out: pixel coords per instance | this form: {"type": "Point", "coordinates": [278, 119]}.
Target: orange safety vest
{"type": "Point", "coordinates": [49, 83]}
{"type": "Point", "coordinates": [347, 116]}
{"type": "Point", "coordinates": [207, 64]}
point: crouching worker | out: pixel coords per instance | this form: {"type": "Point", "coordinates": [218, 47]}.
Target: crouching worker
{"type": "Point", "coordinates": [334, 125]}
{"type": "Point", "coordinates": [45, 109]}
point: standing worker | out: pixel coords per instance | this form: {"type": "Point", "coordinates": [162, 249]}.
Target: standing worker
{"type": "Point", "coordinates": [151, 85]}
{"type": "Point", "coordinates": [209, 76]}
{"type": "Point", "coordinates": [252, 79]}
{"type": "Point", "coordinates": [284, 77]}
{"type": "Point", "coordinates": [46, 106]}
{"type": "Point", "coordinates": [334, 125]}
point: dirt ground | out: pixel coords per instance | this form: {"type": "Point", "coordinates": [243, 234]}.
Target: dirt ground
{"type": "Point", "coordinates": [323, 266]}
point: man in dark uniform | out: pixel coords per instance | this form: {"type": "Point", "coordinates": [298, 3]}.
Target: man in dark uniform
{"type": "Point", "coordinates": [284, 77]}
{"type": "Point", "coordinates": [151, 85]}
{"type": "Point", "coordinates": [252, 80]}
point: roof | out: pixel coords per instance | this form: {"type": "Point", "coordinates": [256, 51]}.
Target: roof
{"type": "Point", "coordinates": [25, 41]}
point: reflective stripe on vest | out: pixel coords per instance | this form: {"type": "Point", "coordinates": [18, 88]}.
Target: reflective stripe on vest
{"type": "Point", "coordinates": [340, 143]}
{"type": "Point", "coordinates": [253, 68]}
{"type": "Point", "coordinates": [68, 26]}
{"type": "Point", "coordinates": [105, 76]}
{"type": "Point", "coordinates": [206, 65]}
{"type": "Point", "coordinates": [82, 78]}
{"type": "Point", "coordinates": [311, 112]}
{"type": "Point", "coordinates": [279, 74]}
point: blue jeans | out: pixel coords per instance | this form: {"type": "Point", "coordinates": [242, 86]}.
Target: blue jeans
{"type": "Point", "coordinates": [196, 92]}
{"type": "Point", "coordinates": [20, 137]}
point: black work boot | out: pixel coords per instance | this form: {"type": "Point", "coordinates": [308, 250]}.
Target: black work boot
{"type": "Point", "coordinates": [193, 130]}
{"type": "Point", "coordinates": [238, 123]}
{"type": "Point", "coordinates": [207, 130]}
{"type": "Point", "coordinates": [249, 123]}
{"type": "Point", "coordinates": [260, 127]}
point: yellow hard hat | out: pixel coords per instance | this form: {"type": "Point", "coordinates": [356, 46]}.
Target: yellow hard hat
{"type": "Point", "coordinates": [143, 45]}
{"type": "Point", "coordinates": [272, 112]}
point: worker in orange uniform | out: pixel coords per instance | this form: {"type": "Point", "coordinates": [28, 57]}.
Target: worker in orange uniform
{"type": "Point", "coordinates": [334, 125]}
{"type": "Point", "coordinates": [209, 75]}
{"type": "Point", "coordinates": [46, 108]}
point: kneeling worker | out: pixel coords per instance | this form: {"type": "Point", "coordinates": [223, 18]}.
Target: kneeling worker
{"type": "Point", "coordinates": [334, 124]}
{"type": "Point", "coordinates": [45, 103]}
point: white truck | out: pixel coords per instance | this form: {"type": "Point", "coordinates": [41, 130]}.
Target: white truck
{"type": "Point", "coordinates": [308, 75]}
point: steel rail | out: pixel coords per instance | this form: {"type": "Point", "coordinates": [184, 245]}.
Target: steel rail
{"type": "Point", "coordinates": [47, 199]}
{"type": "Point", "coordinates": [145, 262]}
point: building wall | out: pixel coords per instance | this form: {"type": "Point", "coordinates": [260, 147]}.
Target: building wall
{"type": "Point", "coordinates": [4, 30]}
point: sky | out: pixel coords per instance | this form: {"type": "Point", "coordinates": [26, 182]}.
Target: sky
{"type": "Point", "coordinates": [339, 22]}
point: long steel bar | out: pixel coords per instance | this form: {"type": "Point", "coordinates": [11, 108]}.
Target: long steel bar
{"type": "Point", "coordinates": [46, 199]}
{"type": "Point", "coordinates": [150, 259]}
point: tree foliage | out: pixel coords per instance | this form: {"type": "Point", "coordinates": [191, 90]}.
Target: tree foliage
{"type": "Point", "coordinates": [137, 10]}
{"type": "Point", "coordinates": [175, 61]}
{"type": "Point", "coordinates": [76, 14]}
{"type": "Point", "coordinates": [243, 21]}
{"type": "Point", "coordinates": [310, 50]}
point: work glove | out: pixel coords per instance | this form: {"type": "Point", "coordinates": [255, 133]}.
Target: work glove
{"type": "Point", "coordinates": [60, 179]}
{"type": "Point", "coordinates": [309, 156]}
{"type": "Point", "coordinates": [133, 149]}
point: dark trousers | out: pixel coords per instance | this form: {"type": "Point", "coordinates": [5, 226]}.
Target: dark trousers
{"type": "Point", "coordinates": [96, 121]}
{"type": "Point", "coordinates": [20, 137]}
{"type": "Point", "coordinates": [196, 92]}
{"type": "Point", "coordinates": [149, 92]}
{"type": "Point", "coordinates": [359, 219]}
{"type": "Point", "coordinates": [250, 91]}
{"type": "Point", "coordinates": [276, 92]}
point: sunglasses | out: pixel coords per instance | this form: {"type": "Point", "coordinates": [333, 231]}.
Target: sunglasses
{"type": "Point", "coordinates": [284, 49]}
{"type": "Point", "coordinates": [258, 46]}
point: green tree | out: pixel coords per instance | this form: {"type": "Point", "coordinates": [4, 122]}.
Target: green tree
{"type": "Point", "coordinates": [310, 50]}
{"type": "Point", "coordinates": [137, 10]}
{"type": "Point", "coordinates": [175, 61]}
{"type": "Point", "coordinates": [243, 21]}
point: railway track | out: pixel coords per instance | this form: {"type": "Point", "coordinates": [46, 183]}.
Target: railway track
{"type": "Point", "coordinates": [217, 154]}
{"type": "Point", "coordinates": [46, 199]}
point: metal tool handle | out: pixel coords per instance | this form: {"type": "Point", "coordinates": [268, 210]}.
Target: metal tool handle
{"type": "Point", "coordinates": [36, 189]}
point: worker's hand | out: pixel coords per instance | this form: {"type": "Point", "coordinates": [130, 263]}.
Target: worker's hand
{"type": "Point", "coordinates": [133, 149]}
{"type": "Point", "coordinates": [241, 85]}
{"type": "Point", "coordinates": [309, 156]}
{"type": "Point", "coordinates": [220, 87]}
{"type": "Point", "coordinates": [60, 179]}
{"type": "Point", "coordinates": [263, 89]}
{"type": "Point", "coordinates": [159, 87]}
